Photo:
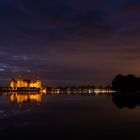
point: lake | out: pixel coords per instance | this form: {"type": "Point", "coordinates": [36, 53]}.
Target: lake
{"type": "Point", "coordinates": [41, 116]}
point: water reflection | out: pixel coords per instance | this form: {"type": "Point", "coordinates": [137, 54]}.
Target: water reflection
{"type": "Point", "coordinates": [126, 100]}
{"type": "Point", "coordinates": [119, 100]}
{"type": "Point", "coordinates": [65, 116]}
{"type": "Point", "coordinates": [21, 98]}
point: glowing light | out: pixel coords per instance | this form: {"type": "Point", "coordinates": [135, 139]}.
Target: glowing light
{"type": "Point", "coordinates": [21, 98]}
{"type": "Point", "coordinates": [97, 91]}
{"type": "Point", "coordinates": [20, 83]}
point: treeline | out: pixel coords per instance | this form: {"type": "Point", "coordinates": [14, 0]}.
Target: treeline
{"type": "Point", "coordinates": [128, 83]}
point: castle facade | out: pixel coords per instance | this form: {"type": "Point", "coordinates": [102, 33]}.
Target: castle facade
{"type": "Point", "coordinates": [22, 83]}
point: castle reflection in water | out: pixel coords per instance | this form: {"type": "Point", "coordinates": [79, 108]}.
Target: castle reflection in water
{"type": "Point", "coordinates": [21, 98]}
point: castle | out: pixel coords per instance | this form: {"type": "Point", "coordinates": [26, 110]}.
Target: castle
{"type": "Point", "coordinates": [22, 83]}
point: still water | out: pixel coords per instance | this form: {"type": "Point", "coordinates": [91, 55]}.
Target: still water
{"type": "Point", "coordinates": [40, 116]}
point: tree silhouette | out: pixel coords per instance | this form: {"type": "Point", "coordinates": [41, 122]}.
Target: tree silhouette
{"type": "Point", "coordinates": [125, 83]}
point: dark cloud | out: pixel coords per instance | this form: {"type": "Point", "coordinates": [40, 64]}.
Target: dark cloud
{"type": "Point", "coordinates": [66, 40]}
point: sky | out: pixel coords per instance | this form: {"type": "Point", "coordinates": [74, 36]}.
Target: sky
{"type": "Point", "coordinates": [69, 42]}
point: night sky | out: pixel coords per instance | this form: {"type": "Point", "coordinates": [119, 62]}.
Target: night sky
{"type": "Point", "coordinates": [69, 42]}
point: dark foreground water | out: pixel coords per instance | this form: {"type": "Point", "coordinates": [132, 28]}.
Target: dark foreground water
{"type": "Point", "coordinates": [69, 117]}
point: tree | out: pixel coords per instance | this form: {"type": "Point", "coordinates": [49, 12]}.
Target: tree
{"type": "Point", "coordinates": [125, 83]}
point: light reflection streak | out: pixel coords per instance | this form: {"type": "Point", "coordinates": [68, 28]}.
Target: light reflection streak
{"type": "Point", "coordinates": [24, 98]}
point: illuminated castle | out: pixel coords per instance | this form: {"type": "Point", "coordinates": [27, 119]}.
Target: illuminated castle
{"type": "Point", "coordinates": [21, 83]}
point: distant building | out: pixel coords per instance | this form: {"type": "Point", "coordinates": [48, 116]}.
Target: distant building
{"type": "Point", "coordinates": [22, 83]}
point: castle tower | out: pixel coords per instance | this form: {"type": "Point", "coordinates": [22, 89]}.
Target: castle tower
{"type": "Point", "coordinates": [38, 83]}
{"type": "Point", "coordinates": [20, 82]}
{"type": "Point", "coordinates": [13, 83]}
